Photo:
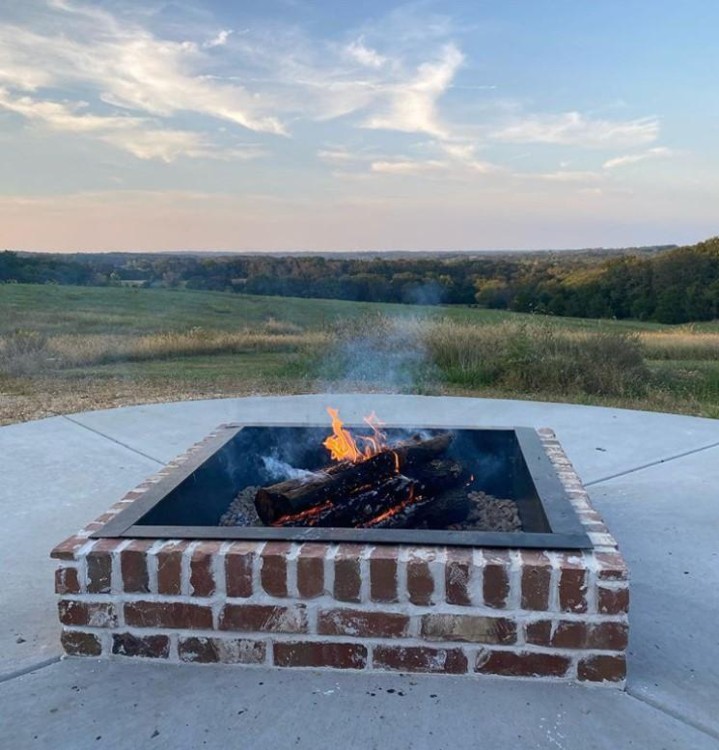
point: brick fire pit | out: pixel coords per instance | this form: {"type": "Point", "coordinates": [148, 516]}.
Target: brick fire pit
{"type": "Point", "coordinates": [411, 608]}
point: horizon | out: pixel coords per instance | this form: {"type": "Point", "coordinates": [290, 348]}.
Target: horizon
{"type": "Point", "coordinates": [406, 127]}
{"type": "Point", "coordinates": [449, 252]}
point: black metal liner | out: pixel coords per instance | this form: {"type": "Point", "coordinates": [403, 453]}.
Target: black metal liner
{"type": "Point", "coordinates": [187, 504]}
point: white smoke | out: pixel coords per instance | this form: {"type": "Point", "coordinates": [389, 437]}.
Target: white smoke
{"type": "Point", "coordinates": [279, 470]}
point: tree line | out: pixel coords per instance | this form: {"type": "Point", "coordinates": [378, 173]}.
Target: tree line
{"type": "Point", "coordinates": [669, 286]}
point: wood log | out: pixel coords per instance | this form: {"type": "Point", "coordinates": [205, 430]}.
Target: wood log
{"type": "Point", "coordinates": [437, 482]}
{"type": "Point", "coordinates": [294, 496]}
{"type": "Point", "coordinates": [357, 508]}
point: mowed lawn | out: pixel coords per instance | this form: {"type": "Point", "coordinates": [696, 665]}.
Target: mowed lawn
{"type": "Point", "coordinates": [65, 349]}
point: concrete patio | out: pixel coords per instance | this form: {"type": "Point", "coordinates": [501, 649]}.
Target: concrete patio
{"type": "Point", "coordinates": [654, 478]}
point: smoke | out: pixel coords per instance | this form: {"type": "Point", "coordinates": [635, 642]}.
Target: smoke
{"type": "Point", "coordinates": [279, 470]}
{"type": "Point", "coordinates": [383, 353]}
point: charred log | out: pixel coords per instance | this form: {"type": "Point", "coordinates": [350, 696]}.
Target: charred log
{"type": "Point", "coordinates": [336, 485]}
{"type": "Point", "coordinates": [356, 509]}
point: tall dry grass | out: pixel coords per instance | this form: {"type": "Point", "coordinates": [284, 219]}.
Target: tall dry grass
{"type": "Point", "coordinates": [27, 352]}
{"type": "Point", "coordinates": [682, 344]}
{"type": "Point", "coordinates": [539, 358]}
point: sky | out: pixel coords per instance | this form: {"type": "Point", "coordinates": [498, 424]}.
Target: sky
{"type": "Point", "coordinates": [296, 125]}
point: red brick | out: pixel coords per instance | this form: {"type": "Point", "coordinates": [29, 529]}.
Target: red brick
{"type": "Point", "coordinates": [91, 614]}
{"type": "Point", "coordinates": [263, 618]}
{"type": "Point", "coordinates": [612, 601]}
{"type": "Point", "coordinates": [521, 664]}
{"type": "Point", "coordinates": [168, 615]}
{"type": "Point", "coordinates": [457, 574]}
{"type": "Point", "coordinates": [311, 570]}
{"type": "Point", "coordinates": [238, 569]}
{"type": "Point", "coordinates": [315, 654]}
{"type": "Point", "coordinates": [135, 494]}
{"type": "Point", "coordinates": [468, 628]}
{"type": "Point", "coordinates": [221, 650]}
{"type": "Point", "coordinates": [99, 566]}
{"type": "Point", "coordinates": [347, 573]}
{"type": "Point", "coordinates": [273, 570]}
{"type": "Point", "coordinates": [107, 516]}
{"type": "Point", "coordinates": [151, 646]}
{"type": "Point", "coordinates": [611, 566]}
{"type": "Point", "coordinates": [169, 568]}
{"type": "Point", "coordinates": [602, 668]}
{"type": "Point", "coordinates": [572, 584]}
{"type": "Point", "coordinates": [536, 572]}
{"type": "Point", "coordinates": [538, 633]}
{"type": "Point", "coordinates": [67, 581]}
{"type": "Point", "coordinates": [80, 644]}
{"type": "Point", "coordinates": [67, 549]}
{"type": "Point", "coordinates": [420, 582]}
{"type": "Point", "coordinates": [383, 574]}
{"type": "Point", "coordinates": [362, 624]}
{"type": "Point", "coordinates": [611, 636]}
{"type": "Point", "coordinates": [420, 659]}
{"type": "Point", "coordinates": [133, 565]}
{"type": "Point", "coordinates": [495, 585]}
{"type": "Point", "coordinates": [202, 579]}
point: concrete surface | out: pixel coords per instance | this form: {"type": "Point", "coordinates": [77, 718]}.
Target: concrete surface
{"type": "Point", "coordinates": [655, 477]}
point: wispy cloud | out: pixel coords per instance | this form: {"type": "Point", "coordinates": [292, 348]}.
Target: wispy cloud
{"type": "Point", "coordinates": [562, 175]}
{"type": "Point", "coordinates": [364, 55]}
{"type": "Point", "coordinates": [127, 65]}
{"type": "Point", "coordinates": [219, 40]}
{"type": "Point", "coordinates": [407, 167]}
{"type": "Point", "coordinates": [660, 152]}
{"type": "Point", "coordinates": [412, 104]}
{"type": "Point", "coordinates": [576, 129]}
{"type": "Point", "coordinates": [138, 136]}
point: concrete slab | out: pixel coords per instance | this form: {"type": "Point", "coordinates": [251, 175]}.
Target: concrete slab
{"type": "Point", "coordinates": [600, 441]}
{"type": "Point", "coordinates": [127, 706]}
{"type": "Point", "coordinates": [56, 477]}
{"type": "Point", "coordinates": [59, 473]}
{"type": "Point", "coordinates": [666, 520]}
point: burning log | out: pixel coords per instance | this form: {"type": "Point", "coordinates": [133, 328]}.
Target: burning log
{"type": "Point", "coordinates": [293, 497]}
{"type": "Point", "coordinates": [358, 508]}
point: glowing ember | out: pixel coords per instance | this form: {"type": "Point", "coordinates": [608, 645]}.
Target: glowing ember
{"type": "Point", "coordinates": [343, 446]}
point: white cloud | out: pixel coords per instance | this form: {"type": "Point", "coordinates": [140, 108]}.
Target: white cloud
{"type": "Point", "coordinates": [339, 156]}
{"type": "Point", "coordinates": [128, 66]}
{"type": "Point", "coordinates": [406, 167]}
{"type": "Point", "coordinates": [660, 152]}
{"type": "Point", "coordinates": [463, 169]}
{"type": "Point", "coordinates": [139, 136]}
{"type": "Point", "coordinates": [412, 104]}
{"type": "Point", "coordinates": [574, 129]}
{"type": "Point", "coordinates": [364, 55]}
{"type": "Point", "coordinates": [220, 40]}
{"type": "Point", "coordinates": [562, 176]}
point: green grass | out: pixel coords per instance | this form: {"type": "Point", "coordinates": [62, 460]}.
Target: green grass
{"type": "Point", "coordinates": [67, 309]}
{"type": "Point", "coordinates": [68, 348]}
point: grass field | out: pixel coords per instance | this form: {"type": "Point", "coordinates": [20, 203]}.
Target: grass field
{"type": "Point", "coordinates": [64, 349]}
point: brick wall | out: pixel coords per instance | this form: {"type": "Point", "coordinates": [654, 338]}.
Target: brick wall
{"type": "Point", "coordinates": [514, 613]}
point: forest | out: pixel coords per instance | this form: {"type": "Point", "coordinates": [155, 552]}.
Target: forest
{"type": "Point", "coordinates": [675, 285]}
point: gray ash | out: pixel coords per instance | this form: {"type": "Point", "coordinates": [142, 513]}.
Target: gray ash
{"type": "Point", "coordinates": [488, 513]}
{"type": "Point", "coordinates": [242, 510]}
{"type": "Point", "coordinates": [485, 513]}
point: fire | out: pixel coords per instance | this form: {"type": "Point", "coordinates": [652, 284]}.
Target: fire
{"type": "Point", "coordinates": [344, 447]}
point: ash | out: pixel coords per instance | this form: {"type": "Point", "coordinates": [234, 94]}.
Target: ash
{"type": "Point", "coordinates": [488, 513]}
{"type": "Point", "coordinates": [242, 510]}
{"type": "Point", "coordinates": [485, 513]}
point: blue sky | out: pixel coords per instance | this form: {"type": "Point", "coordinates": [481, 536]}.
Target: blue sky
{"type": "Point", "coordinates": [291, 125]}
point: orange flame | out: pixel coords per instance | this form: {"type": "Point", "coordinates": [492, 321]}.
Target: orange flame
{"type": "Point", "coordinates": [342, 445]}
